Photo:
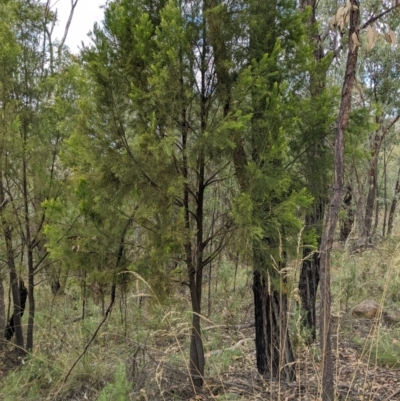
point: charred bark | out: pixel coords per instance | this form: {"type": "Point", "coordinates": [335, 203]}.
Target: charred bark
{"type": "Point", "coordinates": [310, 271]}
{"type": "Point", "coordinates": [346, 225]}
{"type": "Point", "coordinates": [273, 348]}
{"type": "Point", "coordinates": [18, 311]}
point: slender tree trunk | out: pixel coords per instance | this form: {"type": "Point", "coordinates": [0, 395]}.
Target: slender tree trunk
{"type": "Point", "coordinates": [334, 206]}
{"type": "Point", "coordinates": [385, 192]}
{"type": "Point", "coordinates": [394, 204]}
{"type": "Point", "coordinates": [31, 270]}
{"type": "Point", "coordinates": [366, 232]}
{"type": "Point", "coordinates": [372, 189]}
{"type": "Point", "coordinates": [2, 315]}
{"type": "Point", "coordinates": [309, 275]}
{"type": "Point", "coordinates": [195, 269]}
{"type": "Point", "coordinates": [10, 257]}
{"type": "Point", "coordinates": [347, 223]}
{"type": "Point", "coordinates": [16, 326]}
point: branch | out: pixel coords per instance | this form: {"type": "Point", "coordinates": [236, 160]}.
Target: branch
{"type": "Point", "coordinates": [108, 311]}
{"type": "Point", "coordinates": [228, 326]}
{"type": "Point", "coordinates": [373, 19]}
{"type": "Point", "coordinates": [71, 14]}
{"type": "Point", "coordinates": [211, 179]}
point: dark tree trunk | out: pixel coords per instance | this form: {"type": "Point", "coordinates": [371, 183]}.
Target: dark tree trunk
{"type": "Point", "coordinates": [308, 286]}
{"type": "Point", "coordinates": [347, 223]}
{"type": "Point", "coordinates": [15, 320]}
{"type": "Point", "coordinates": [394, 204]}
{"type": "Point", "coordinates": [197, 359]}
{"type": "Point", "coordinates": [273, 348]}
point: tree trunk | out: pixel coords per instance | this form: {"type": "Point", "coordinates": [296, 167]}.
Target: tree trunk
{"type": "Point", "coordinates": [23, 294]}
{"type": "Point", "coordinates": [372, 190]}
{"type": "Point", "coordinates": [334, 205]}
{"type": "Point", "coordinates": [16, 316]}
{"type": "Point", "coordinates": [31, 270]}
{"type": "Point", "coordinates": [309, 278]}
{"type": "Point", "coordinates": [273, 349]}
{"type": "Point", "coordinates": [2, 315]}
{"type": "Point", "coordinates": [197, 359]}
{"type": "Point", "coordinates": [309, 275]}
{"type": "Point", "coordinates": [384, 193]}
{"type": "Point", "coordinates": [394, 204]}
{"type": "Point", "coordinates": [347, 223]}
{"type": "Point", "coordinates": [194, 261]}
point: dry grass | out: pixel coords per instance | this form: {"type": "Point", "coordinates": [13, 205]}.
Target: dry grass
{"type": "Point", "coordinates": [152, 342]}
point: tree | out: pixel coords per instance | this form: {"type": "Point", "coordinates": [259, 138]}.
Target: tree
{"type": "Point", "coordinates": [348, 15]}
{"type": "Point", "coordinates": [149, 144]}
{"type": "Point", "coordinates": [269, 196]}
{"type": "Point", "coordinates": [29, 147]}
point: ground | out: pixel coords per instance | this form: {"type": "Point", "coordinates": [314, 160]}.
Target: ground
{"type": "Point", "coordinates": [141, 352]}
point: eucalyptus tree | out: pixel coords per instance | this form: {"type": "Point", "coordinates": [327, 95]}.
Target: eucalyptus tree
{"type": "Point", "coordinates": [348, 18]}
{"type": "Point", "coordinates": [378, 69]}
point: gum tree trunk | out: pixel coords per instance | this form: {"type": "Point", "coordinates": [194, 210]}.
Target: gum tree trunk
{"type": "Point", "coordinates": [334, 206]}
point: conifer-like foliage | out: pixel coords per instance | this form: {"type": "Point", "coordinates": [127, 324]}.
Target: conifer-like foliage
{"type": "Point", "coordinates": [169, 98]}
{"type": "Point", "coordinates": [184, 129]}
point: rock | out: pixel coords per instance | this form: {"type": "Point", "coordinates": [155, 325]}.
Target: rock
{"type": "Point", "coordinates": [367, 309]}
{"type": "Point", "coordinates": [391, 318]}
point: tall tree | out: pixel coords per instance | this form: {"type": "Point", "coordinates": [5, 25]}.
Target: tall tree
{"type": "Point", "coordinates": [29, 147]}
{"type": "Point", "coordinates": [259, 155]}
{"type": "Point", "coordinates": [149, 143]}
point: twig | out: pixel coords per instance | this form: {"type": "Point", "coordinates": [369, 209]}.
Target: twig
{"type": "Point", "coordinates": [108, 311]}
{"type": "Point", "coordinates": [228, 326]}
{"type": "Point", "coordinates": [392, 395]}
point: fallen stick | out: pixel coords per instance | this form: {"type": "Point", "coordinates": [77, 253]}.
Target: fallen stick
{"type": "Point", "coordinates": [237, 345]}
{"type": "Point", "coordinates": [228, 326]}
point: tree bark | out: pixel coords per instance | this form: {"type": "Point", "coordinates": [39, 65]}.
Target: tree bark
{"type": "Point", "coordinates": [366, 232]}
{"type": "Point", "coordinates": [394, 204]}
{"type": "Point", "coordinates": [347, 224]}
{"type": "Point", "coordinates": [29, 250]}
{"type": "Point", "coordinates": [334, 206]}
{"type": "Point", "coordinates": [2, 315]}
{"type": "Point", "coordinates": [309, 275]}
{"type": "Point", "coordinates": [10, 258]}
{"type": "Point", "coordinates": [273, 348]}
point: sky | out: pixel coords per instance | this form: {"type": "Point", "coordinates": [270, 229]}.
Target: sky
{"type": "Point", "coordinates": [87, 12]}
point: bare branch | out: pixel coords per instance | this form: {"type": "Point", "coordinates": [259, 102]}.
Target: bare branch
{"type": "Point", "coordinates": [71, 14]}
{"type": "Point", "coordinates": [376, 17]}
